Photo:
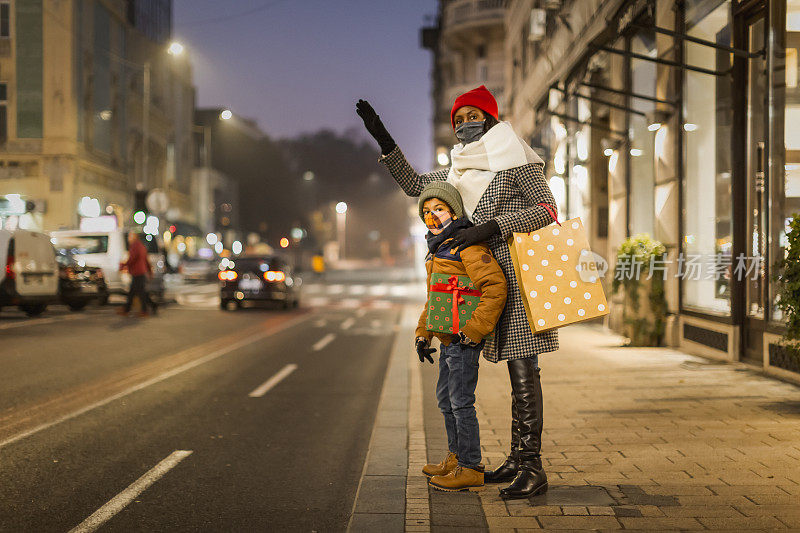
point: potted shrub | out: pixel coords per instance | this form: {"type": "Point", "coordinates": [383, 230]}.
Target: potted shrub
{"type": "Point", "coordinates": [639, 273]}
{"type": "Point", "coordinates": [787, 275]}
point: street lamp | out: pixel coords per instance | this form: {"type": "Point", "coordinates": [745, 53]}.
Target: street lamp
{"type": "Point", "coordinates": [226, 114]}
{"type": "Point", "coordinates": [341, 223]}
{"type": "Point", "coordinates": [175, 48]}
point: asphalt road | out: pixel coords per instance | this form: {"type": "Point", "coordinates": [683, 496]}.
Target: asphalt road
{"type": "Point", "coordinates": [97, 411]}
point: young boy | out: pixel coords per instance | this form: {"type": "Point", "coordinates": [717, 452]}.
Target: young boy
{"type": "Point", "coordinates": [441, 208]}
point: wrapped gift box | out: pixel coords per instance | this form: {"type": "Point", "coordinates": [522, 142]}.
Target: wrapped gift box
{"type": "Point", "coordinates": [441, 309]}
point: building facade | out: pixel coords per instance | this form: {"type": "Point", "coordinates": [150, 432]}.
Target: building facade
{"type": "Point", "coordinates": [91, 104]}
{"type": "Point", "coordinates": [468, 43]}
{"type": "Point", "coordinates": [677, 119]}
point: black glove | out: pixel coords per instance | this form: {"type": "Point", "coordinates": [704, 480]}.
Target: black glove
{"type": "Point", "coordinates": [375, 127]}
{"type": "Point", "coordinates": [466, 341]}
{"type": "Point", "coordinates": [471, 236]}
{"type": "Point", "coordinates": [424, 350]}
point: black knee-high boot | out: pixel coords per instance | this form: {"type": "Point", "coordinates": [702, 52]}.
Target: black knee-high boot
{"type": "Point", "coordinates": [508, 470]}
{"type": "Point", "coordinates": [526, 388]}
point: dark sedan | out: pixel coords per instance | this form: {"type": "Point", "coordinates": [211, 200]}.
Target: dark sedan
{"type": "Point", "coordinates": [257, 279]}
{"type": "Point", "coordinates": [80, 285]}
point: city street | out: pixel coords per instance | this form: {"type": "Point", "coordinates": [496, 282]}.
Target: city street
{"type": "Point", "coordinates": [272, 408]}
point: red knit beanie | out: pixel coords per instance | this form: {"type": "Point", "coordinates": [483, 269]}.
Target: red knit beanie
{"type": "Point", "coordinates": [480, 98]}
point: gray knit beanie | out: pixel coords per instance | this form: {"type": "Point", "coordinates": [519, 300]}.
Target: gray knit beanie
{"type": "Point", "coordinates": [443, 191]}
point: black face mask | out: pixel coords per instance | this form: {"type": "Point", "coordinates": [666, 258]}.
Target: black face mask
{"type": "Point", "coordinates": [469, 132]}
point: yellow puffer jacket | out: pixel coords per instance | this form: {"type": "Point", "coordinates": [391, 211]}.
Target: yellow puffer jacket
{"type": "Point", "coordinates": [478, 263]}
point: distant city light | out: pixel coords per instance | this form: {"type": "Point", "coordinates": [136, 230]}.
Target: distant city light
{"type": "Point", "coordinates": [226, 114]}
{"type": "Point", "coordinates": [308, 175]}
{"type": "Point", "coordinates": [442, 159]}
{"type": "Point", "coordinates": [218, 247]}
{"type": "Point", "coordinates": [341, 208]}
{"type": "Point", "coordinates": [690, 127]}
{"type": "Point", "coordinates": [151, 225]}
{"type": "Point", "coordinates": [236, 247]}
{"type": "Point", "coordinates": [635, 152]}
{"type": "Point", "coordinates": [296, 233]}
{"type": "Point", "coordinates": [139, 217]}
{"type": "Point", "coordinates": [175, 48]}
{"type": "Point", "coordinates": [89, 207]}
{"type": "Point", "coordinates": [212, 239]}
{"type": "Point", "coordinates": [284, 242]}
{"type": "Point", "coordinates": [608, 151]}
{"type": "Point", "coordinates": [181, 247]}
{"type": "Point", "coordinates": [654, 126]}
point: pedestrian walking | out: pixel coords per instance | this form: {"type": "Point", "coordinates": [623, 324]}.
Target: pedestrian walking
{"type": "Point", "coordinates": [441, 208]}
{"type": "Point", "coordinates": [138, 266]}
{"type": "Point", "coordinates": [502, 183]}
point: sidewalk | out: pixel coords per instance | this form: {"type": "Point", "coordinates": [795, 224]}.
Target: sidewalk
{"type": "Point", "coordinates": [649, 438]}
{"type": "Point", "coordinates": [635, 438]}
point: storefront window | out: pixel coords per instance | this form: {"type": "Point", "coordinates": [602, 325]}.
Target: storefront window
{"type": "Point", "coordinates": [641, 135]}
{"type": "Point", "coordinates": [786, 153]}
{"type": "Point", "coordinates": [708, 117]}
{"type": "Point", "coordinates": [578, 190]}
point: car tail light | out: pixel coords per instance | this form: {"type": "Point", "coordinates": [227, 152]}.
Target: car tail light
{"type": "Point", "coordinates": [71, 273]}
{"type": "Point", "coordinates": [10, 274]}
{"type": "Point", "coordinates": [227, 275]}
{"type": "Point", "coordinates": [274, 275]}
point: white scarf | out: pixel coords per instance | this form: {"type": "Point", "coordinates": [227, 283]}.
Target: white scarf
{"type": "Point", "coordinates": [475, 165]}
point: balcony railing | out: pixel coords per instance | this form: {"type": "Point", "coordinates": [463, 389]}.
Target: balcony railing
{"type": "Point", "coordinates": [470, 11]}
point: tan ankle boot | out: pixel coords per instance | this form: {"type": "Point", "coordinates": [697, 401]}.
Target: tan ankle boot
{"type": "Point", "coordinates": [442, 469]}
{"type": "Point", "coordinates": [460, 478]}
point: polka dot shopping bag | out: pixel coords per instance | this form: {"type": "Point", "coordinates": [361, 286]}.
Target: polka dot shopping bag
{"type": "Point", "coordinates": [557, 275]}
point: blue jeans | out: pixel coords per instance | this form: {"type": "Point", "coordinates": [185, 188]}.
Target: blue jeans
{"type": "Point", "coordinates": [455, 392]}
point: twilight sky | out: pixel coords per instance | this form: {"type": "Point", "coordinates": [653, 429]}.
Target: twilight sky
{"type": "Point", "coordinates": [300, 65]}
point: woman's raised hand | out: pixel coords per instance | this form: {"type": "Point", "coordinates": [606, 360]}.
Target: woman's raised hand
{"type": "Point", "coordinates": [375, 126]}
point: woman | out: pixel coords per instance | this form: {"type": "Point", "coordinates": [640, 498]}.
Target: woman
{"type": "Point", "coordinates": [501, 181]}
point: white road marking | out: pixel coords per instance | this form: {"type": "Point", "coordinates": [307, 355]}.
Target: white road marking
{"type": "Point", "coordinates": [274, 380]}
{"type": "Point", "coordinates": [320, 323]}
{"type": "Point", "coordinates": [347, 324]}
{"type": "Point", "coordinates": [358, 289]}
{"type": "Point", "coordinates": [161, 377]}
{"type": "Point", "coordinates": [121, 500]}
{"type": "Point", "coordinates": [323, 342]}
{"type": "Point", "coordinates": [335, 289]}
{"type": "Point", "coordinates": [38, 321]}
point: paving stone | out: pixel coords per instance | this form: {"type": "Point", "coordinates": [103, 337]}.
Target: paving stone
{"type": "Point", "coordinates": [744, 522]}
{"type": "Point", "coordinates": [511, 522]}
{"type": "Point", "coordinates": [579, 522]}
{"type": "Point", "coordinates": [539, 510]}
{"type": "Point", "coordinates": [659, 524]}
{"type": "Point", "coordinates": [601, 511]}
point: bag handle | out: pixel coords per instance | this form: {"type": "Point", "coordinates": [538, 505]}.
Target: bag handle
{"type": "Point", "coordinates": [550, 210]}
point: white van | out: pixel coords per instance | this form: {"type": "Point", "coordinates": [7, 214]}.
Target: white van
{"type": "Point", "coordinates": [107, 249]}
{"type": "Point", "coordinates": [29, 275]}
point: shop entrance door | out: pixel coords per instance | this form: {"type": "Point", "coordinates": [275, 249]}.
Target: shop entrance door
{"type": "Point", "coordinates": [752, 269]}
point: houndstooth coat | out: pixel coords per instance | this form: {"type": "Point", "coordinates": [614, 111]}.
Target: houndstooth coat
{"type": "Point", "coordinates": [510, 199]}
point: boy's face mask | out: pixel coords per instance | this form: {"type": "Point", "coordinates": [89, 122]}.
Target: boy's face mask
{"type": "Point", "coordinates": [437, 220]}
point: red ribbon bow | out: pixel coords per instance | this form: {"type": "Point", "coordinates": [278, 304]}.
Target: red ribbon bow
{"type": "Point", "coordinates": [456, 290]}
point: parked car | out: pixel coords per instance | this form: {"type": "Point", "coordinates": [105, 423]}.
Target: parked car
{"type": "Point", "coordinates": [198, 269]}
{"type": "Point", "coordinates": [106, 250]}
{"type": "Point", "coordinates": [29, 275]}
{"type": "Point", "coordinates": [258, 279]}
{"type": "Point", "coordinates": [79, 285]}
